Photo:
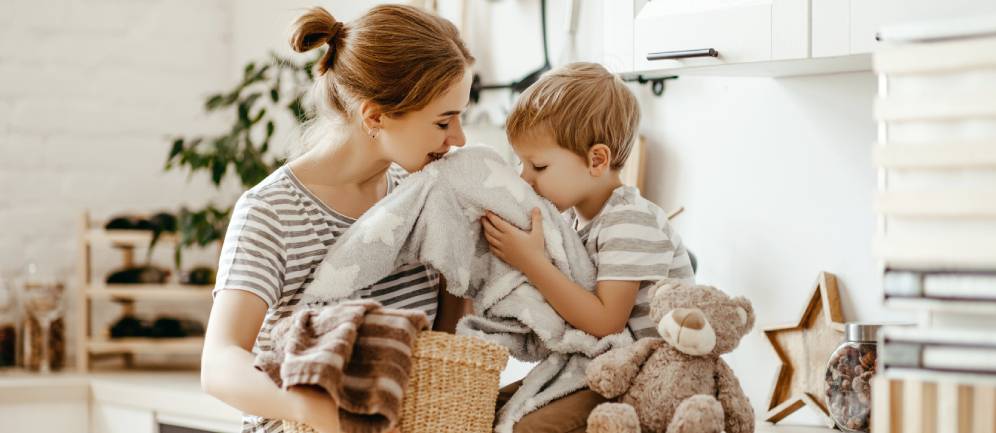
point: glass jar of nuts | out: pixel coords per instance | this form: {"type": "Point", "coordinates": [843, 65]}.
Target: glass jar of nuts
{"type": "Point", "coordinates": [848, 377]}
{"type": "Point", "coordinates": [8, 326]}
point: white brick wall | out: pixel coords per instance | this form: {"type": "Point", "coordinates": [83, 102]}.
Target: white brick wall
{"type": "Point", "coordinates": [90, 93]}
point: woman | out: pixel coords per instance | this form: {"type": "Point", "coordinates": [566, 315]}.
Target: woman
{"type": "Point", "coordinates": [390, 90]}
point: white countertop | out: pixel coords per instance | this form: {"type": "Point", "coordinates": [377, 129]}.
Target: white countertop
{"type": "Point", "coordinates": [174, 397]}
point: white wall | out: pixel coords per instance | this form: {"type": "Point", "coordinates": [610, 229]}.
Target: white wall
{"type": "Point", "coordinates": [90, 92]}
{"type": "Point", "coordinates": [777, 180]}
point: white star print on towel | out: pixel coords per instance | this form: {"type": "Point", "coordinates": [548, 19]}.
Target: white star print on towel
{"type": "Point", "coordinates": [380, 226]}
{"type": "Point", "coordinates": [339, 281]}
{"type": "Point", "coordinates": [502, 176]}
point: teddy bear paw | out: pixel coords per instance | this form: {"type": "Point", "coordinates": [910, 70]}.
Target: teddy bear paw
{"type": "Point", "coordinates": [699, 414]}
{"type": "Point", "coordinates": [613, 418]}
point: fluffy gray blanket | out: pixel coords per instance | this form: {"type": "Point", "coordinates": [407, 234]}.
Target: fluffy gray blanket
{"type": "Point", "coordinates": [433, 217]}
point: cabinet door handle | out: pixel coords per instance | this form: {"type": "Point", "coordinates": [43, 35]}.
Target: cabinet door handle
{"type": "Point", "coordinates": [683, 54]}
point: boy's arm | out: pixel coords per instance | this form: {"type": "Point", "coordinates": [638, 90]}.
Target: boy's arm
{"type": "Point", "coordinates": [601, 313]}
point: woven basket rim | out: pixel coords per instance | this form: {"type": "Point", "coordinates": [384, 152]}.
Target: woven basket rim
{"type": "Point", "coordinates": [462, 349]}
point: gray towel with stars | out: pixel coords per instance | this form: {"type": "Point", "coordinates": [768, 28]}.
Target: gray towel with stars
{"type": "Point", "coordinates": [433, 217]}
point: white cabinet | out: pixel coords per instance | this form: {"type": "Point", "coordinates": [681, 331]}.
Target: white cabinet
{"type": "Point", "coordinates": [602, 32]}
{"type": "Point", "coordinates": [130, 402]}
{"type": "Point", "coordinates": [689, 34]}
{"type": "Point", "coordinates": [33, 412]}
{"type": "Point", "coordinates": [140, 403]}
{"type": "Point", "coordinates": [831, 31]}
{"type": "Point", "coordinates": [617, 20]}
{"type": "Point", "coordinates": [112, 418]}
{"type": "Point", "coordinates": [869, 16]}
{"type": "Point", "coordinates": [769, 37]}
{"type": "Point", "coordinates": [843, 27]}
{"type": "Point", "coordinates": [43, 404]}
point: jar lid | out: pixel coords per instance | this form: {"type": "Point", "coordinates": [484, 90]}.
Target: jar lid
{"type": "Point", "coordinates": [861, 331]}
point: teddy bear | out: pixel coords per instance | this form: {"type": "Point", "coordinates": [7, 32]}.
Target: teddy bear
{"type": "Point", "coordinates": [677, 383]}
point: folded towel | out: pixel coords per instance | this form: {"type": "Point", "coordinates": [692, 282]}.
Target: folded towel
{"type": "Point", "coordinates": [433, 217]}
{"type": "Point", "coordinates": [358, 352]}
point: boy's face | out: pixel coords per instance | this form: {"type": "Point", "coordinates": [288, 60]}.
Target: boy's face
{"type": "Point", "coordinates": [555, 173]}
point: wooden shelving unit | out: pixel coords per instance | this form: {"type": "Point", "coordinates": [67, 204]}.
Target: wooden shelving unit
{"type": "Point", "coordinates": [148, 292]}
{"type": "Point", "coordinates": [91, 344]}
{"type": "Point", "coordinates": [182, 346]}
{"type": "Point", "coordinates": [936, 214]}
{"type": "Point", "coordinates": [124, 237]}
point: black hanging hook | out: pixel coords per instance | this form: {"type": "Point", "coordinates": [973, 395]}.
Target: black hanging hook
{"type": "Point", "coordinates": [656, 84]}
{"type": "Point", "coordinates": [522, 84]}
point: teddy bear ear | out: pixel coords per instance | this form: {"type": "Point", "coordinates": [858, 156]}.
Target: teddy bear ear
{"type": "Point", "coordinates": [745, 311]}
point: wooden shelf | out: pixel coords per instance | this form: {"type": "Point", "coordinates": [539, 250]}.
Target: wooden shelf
{"type": "Point", "coordinates": [93, 342]}
{"type": "Point", "coordinates": [934, 252]}
{"type": "Point", "coordinates": [940, 155]}
{"type": "Point", "coordinates": [180, 346]}
{"type": "Point", "coordinates": [953, 205]}
{"type": "Point", "coordinates": [948, 306]}
{"type": "Point", "coordinates": [138, 238]}
{"type": "Point", "coordinates": [159, 292]}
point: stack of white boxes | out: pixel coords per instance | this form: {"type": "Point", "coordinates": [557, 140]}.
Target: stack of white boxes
{"type": "Point", "coordinates": [936, 156]}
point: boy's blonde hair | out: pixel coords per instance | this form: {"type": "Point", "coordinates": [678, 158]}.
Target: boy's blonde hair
{"type": "Point", "coordinates": [581, 104]}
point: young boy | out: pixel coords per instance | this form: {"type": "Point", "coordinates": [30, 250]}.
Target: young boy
{"type": "Point", "coordinates": [573, 131]}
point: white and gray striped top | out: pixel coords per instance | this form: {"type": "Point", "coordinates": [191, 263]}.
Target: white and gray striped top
{"type": "Point", "coordinates": [631, 240]}
{"type": "Point", "coordinates": [278, 234]}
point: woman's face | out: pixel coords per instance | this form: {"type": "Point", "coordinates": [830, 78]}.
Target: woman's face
{"type": "Point", "coordinates": [417, 138]}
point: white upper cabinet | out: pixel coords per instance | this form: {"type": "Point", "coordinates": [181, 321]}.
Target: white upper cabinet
{"type": "Point", "coordinates": [678, 34]}
{"type": "Point", "coordinates": [605, 30]}
{"type": "Point", "coordinates": [869, 16]}
{"type": "Point", "coordinates": [760, 37]}
{"type": "Point", "coordinates": [842, 27]}
{"type": "Point", "coordinates": [617, 19]}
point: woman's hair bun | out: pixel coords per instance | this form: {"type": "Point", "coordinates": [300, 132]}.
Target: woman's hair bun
{"type": "Point", "coordinates": [315, 28]}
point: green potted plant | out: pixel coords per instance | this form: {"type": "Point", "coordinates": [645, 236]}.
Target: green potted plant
{"type": "Point", "coordinates": [266, 90]}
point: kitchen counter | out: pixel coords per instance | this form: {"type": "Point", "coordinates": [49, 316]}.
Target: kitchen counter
{"type": "Point", "coordinates": [137, 402]}
{"type": "Point", "coordinates": [134, 402]}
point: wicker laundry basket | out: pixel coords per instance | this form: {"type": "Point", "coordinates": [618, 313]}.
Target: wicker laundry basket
{"type": "Point", "coordinates": [452, 388]}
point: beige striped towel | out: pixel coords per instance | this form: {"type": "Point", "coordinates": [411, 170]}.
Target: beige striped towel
{"type": "Point", "coordinates": [357, 351]}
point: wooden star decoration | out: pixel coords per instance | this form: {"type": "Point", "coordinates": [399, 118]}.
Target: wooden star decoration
{"type": "Point", "coordinates": [804, 347]}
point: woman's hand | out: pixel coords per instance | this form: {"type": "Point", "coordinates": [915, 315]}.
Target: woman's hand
{"type": "Point", "coordinates": [516, 247]}
{"type": "Point", "coordinates": [317, 409]}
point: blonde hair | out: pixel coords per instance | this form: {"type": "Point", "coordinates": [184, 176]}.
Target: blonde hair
{"type": "Point", "coordinates": [581, 104]}
{"type": "Point", "coordinates": [395, 56]}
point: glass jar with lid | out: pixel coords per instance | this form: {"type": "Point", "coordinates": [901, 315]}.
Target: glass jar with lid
{"type": "Point", "coordinates": [848, 377]}
{"type": "Point", "coordinates": [9, 318]}
{"type": "Point", "coordinates": [43, 332]}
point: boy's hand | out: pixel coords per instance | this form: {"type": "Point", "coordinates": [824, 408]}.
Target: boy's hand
{"type": "Point", "coordinates": [516, 247]}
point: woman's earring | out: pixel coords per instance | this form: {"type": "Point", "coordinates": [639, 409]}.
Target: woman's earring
{"type": "Point", "coordinates": [373, 132]}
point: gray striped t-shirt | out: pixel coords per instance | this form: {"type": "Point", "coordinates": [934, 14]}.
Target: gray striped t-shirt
{"type": "Point", "coordinates": [631, 240]}
{"type": "Point", "coordinates": [278, 234]}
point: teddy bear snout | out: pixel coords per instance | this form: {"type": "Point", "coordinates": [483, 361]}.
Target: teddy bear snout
{"type": "Point", "coordinates": [690, 318]}
{"type": "Point", "coordinates": [688, 330]}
